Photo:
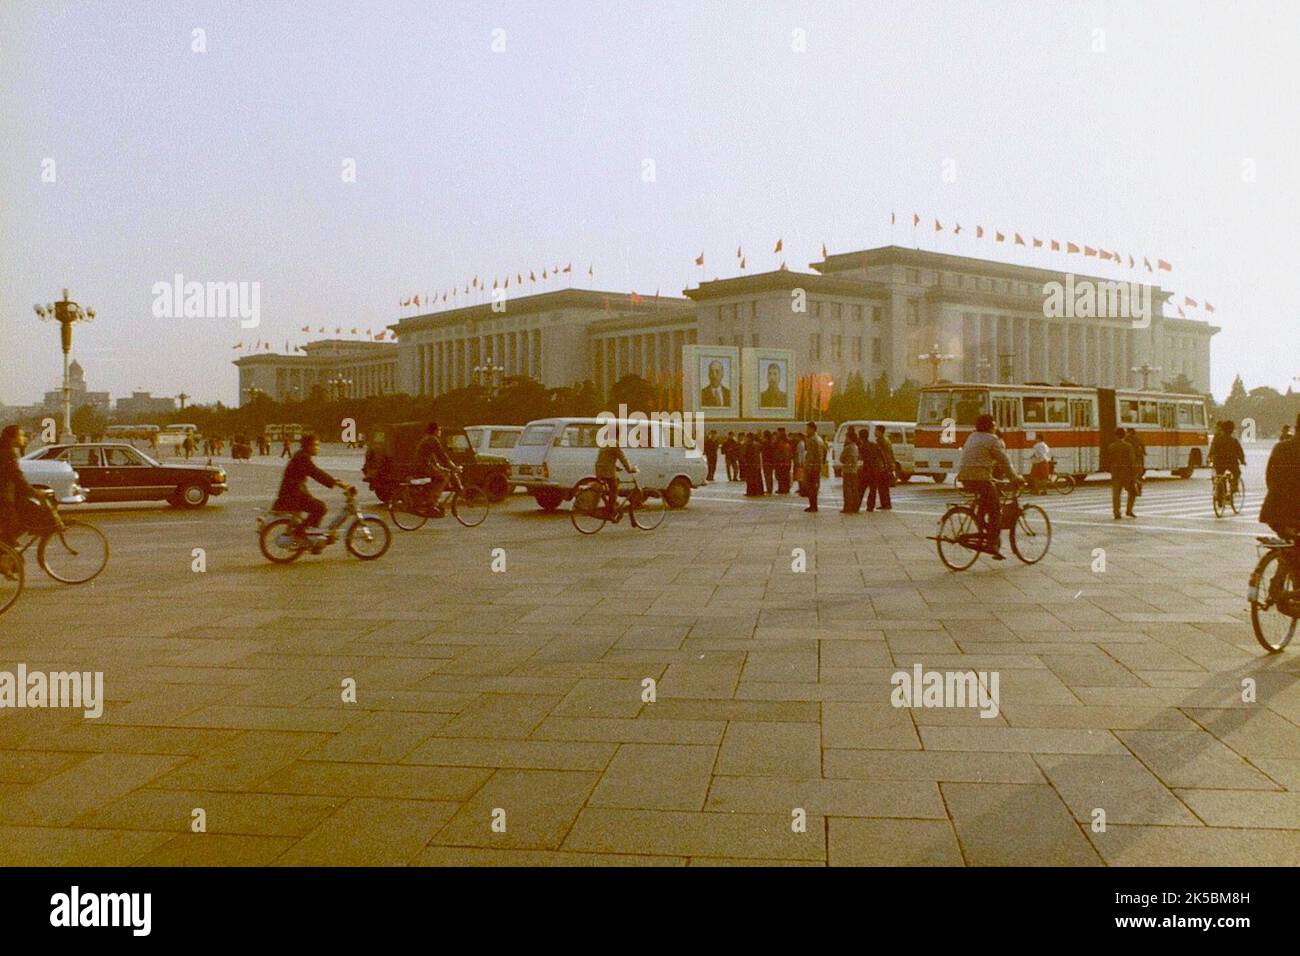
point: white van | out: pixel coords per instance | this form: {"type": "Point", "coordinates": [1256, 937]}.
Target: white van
{"type": "Point", "coordinates": [554, 454]}
{"type": "Point", "coordinates": [901, 435]}
{"type": "Point", "coordinates": [494, 439]}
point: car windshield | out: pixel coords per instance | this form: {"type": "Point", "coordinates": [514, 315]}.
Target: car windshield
{"type": "Point", "coordinates": [503, 439]}
{"type": "Point", "coordinates": [536, 435]}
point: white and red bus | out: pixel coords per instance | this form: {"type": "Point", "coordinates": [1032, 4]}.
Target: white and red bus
{"type": "Point", "coordinates": [1076, 422]}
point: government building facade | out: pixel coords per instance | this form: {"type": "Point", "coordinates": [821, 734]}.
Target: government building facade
{"type": "Point", "coordinates": [889, 311]}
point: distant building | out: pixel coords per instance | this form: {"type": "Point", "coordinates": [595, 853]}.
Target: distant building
{"type": "Point", "coordinates": [80, 395]}
{"type": "Point", "coordinates": [875, 312]}
{"type": "Point", "coordinates": [145, 405]}
{"type": "Point", "coordinates": [340, 368]}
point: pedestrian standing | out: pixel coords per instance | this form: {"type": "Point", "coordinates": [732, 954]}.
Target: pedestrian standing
{"type": "Point", "coordinates": [814, 455]}
{"type": "Point", "coordinates": [769, 465]}
{"type": "Point", "coordinates": [711, 454]}
{"type": "Point", "coordinates": [1040, 466]}
{"type": "Point", "coordinates": [1122, 464]}
{"type": "Point", "coordinates": [753, 464]}
{"type": "Point", "coordinates": [781, 459]}
{"type": "Point", "coordinates": [850, 461]}
{"type": "Point", "coordinates": [885, 466]}
{"type": "Point", "coordinates": [286, 450]}
{"type": "Point", "coordinates": [1139, 459]}
{"type": "Point", "coordinates": [731, 456]}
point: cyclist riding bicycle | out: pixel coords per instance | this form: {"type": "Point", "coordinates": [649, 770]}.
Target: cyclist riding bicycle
{"type": "Point", "coordinates": [293, 494]}
{"type": "Point", "coordinates": [1281, 508]}
{"type": "Point", "coordinates": [15, 492]}
{"type": "Point", "coordinates": [608, 461]}
{"type": "Point", "coordinates": [982, 458]}
{"type": "Point", "coordinates": [1226, 454]}
{"type": "Point", "coordinates": [432, 457]}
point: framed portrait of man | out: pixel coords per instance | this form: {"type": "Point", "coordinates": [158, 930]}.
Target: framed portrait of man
{"type": "Point", "coordinates": [767, 383]}
{"type": "Point", "coordinates": [712, 379]}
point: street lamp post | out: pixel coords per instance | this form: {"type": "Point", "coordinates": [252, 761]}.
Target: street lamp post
{"type": "Point", "coordinates": [1146, 370]}
{"type": "Point", "coordinates": [489, 376]}
{"type": "Point", "coordinates": [936, 360]}
{"type": "Point", "coordinates": [65, 312]}
{"type": "Point", "coordinates": [183, 399]}
{"type": "Point", "coordinates": [339, 385]}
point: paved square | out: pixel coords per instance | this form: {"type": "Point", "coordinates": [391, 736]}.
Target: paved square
{"type": "Point", "coordinates": [508, 718]}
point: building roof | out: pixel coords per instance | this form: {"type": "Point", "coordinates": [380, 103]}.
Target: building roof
{"type": "Point", "coordinates": [589, 299]}
{"type": "Point", "coordinates": [783, 280]}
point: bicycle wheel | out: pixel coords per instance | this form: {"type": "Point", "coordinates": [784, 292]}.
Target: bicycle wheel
{"type": "Point", "coordinates": [278, 543]}
{"type": "Point", "coordinates": [646, 512]}
{"type": "Point", "coordinates": [405, 510]}
{"type": "Point", "coordinates": [470, 505]}
{"type": "Point", "coordinates": [12, 576]}
{"type": "Point", "coordinates": [1063, 484]}
{"type": "Point", "coordinates": [368, 538]}
{"type": "Point", "coordinates": [1238, 499]}
{"type": "Point", "coordinates": [958, 531]}
{"type": "Point", "coordinates": [588, 514]}
{"type": "Point", "coordinates": [1031, 535]}
{"type": "Point", "coordinates": [1270, 583]}
{"type": "Point", "coordinates": [73, 554]}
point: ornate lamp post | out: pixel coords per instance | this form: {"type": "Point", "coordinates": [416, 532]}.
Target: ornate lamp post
{"type": "Point", "coordinates": [65, 312]}
{"type": "Point", "coordinates": [489, 376]}
{"type": "Point", "coordinates": [339, 386]}
{"type": "Point", "coordinates": [936, 359]}
{"type": "Point", "coordinates": [1146, 370]}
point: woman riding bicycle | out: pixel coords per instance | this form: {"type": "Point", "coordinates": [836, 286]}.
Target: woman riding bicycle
{"type": "Point", "coordinates": [982, 457]}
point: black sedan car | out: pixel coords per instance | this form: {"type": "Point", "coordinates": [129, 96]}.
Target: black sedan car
{"type": "Point", "coordinates": [112, 471]}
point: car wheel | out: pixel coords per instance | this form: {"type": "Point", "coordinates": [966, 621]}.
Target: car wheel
{"type": "Point", "coordinates": [548, 499]}
{"type": "Point", "coordinates": [192, 495]}
{"type": "Point", "coordinates": [678, 493]}
{"type": "Point", "coordinates": [939, 479]}
{"type": "Point", "coordinates": [497, 486]}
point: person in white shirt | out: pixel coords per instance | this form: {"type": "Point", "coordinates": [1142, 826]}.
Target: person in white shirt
{"type": "Point", "coordinates": [1040, 467]}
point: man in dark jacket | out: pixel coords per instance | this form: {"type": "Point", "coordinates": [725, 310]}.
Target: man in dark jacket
{"type": "Point", "coordinates": [782, 456]}
{"type": "Point", "coordinates": [731, 456]}
{"type": "Point", "coordinates": [294, 495]}
{"type": "Point", "coordinates": [14, 489]}
{"type": "Point", "coordinates": [1226, 453]}
{"type": "Point", "coordinates": [711, 454]}
{"type": "Point", "coordinates": [1281, 508]}
{"type": "Point", "coordinates": [1123, 467]}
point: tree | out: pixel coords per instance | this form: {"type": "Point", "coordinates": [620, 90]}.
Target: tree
{"type": "Point", "coordinates": [1180, 384]}
{"type": "Point", "coordinates": [634, 392]}
{"type": "Point", "coordinates": [89, 421]}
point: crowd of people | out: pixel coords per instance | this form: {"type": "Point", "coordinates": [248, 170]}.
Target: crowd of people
{"type": "Point", "coordinates": [781, 463]}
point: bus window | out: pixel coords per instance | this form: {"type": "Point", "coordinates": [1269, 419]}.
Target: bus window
{"type": "Point", "coordinates": [1004, 412]}
{"type": "Point", "coordinates": [934, 408]}
{"type": "Point", "coordinates": [1150, 413]}
{"type": "Point", "coordinates": [969, 405]}
{"type": "Point", "coordinates": [1128, 412]}
{"type": "Point", "coordinates": [1058, 411]}
{"type": "Point", "coordinates": [1167, 415]}
{"type": "Point", "coordinates": [1081, 413]}
{"type": "Point", "coordinates": [1184, 414]}
{"type": "Point", "coordinates": [1198, 415]}
{"type": "Point", "coordinates": [1034, 410]}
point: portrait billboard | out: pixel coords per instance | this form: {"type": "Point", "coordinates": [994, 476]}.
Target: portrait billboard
{"type": "Point", "coordinates": [768, 379]}
{"type": "Point", "coordinates": [711, 380]}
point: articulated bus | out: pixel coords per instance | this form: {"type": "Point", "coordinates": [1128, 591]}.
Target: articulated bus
{"type": "Point", "coordinates": [1076, 422]}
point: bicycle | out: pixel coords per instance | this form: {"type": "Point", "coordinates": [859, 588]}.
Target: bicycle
{"type": "Point", "coordinates": [1275, 586]}
{"type": "Point", "coordinates": [70, 552]}
{"type": "Point", "coordinates": [1059, 481]}
{"type": "Point", "coordinates": [367, 536]}
{"type": "Point", "coordinates": [12, 576]}
{"type": "Point", "coordinates": [412, 504]}
{"type": "Point", "coordinates": [1226, 495]}
{"type": "Point", "coordinates": [961, 540]}
{"type": "Point", "coordinates": [645, 509]}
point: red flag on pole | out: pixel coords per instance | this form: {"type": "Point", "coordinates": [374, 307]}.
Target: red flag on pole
{"type": "Point", "coordinates": [979, 232]}
{"type": "Point", "coordinates": [1056, 246]}
{"type": "Point", "coordinates": [1161, 264]}
{"type": "Point", "coordinates": [1019, 241]}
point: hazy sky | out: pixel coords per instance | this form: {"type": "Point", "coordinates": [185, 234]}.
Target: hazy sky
{"type": "Point", "coordinates": [226, 165]}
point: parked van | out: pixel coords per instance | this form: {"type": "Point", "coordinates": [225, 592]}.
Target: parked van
{"type": "Point", "coordinates": [901, 435]}
{"type": "Point", "coordinates": [493, 439]}
{"type": "Point", "coordinates": [554, 454]}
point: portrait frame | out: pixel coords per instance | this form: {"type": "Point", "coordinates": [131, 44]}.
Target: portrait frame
{"type": "Point", "coordinates": [758, 392]}
{"type": "Point", "coordinates": [696, 363]}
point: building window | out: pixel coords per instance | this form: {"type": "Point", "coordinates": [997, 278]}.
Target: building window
{"type": "Point", "coordinates": [753, 309]}
{"type": "Point", "coordinates": [815, 346]}
{"type": "Point", "coordinates": [875, 351]}
{"type": "Point", "coordinates": [738, 341]}
{"type": "Point", "coordinates": [837, 351]}
{"type": "Point", "coordinates": [839, 311]}
{"type": "Point", "coordinates": [753, 340]}
{"type": "Point", "coordinates": [735, 311]}
{"type": "Point", "coordinates": [913, 314]}
{"type": "Point", "coordinates": [719, 313]}
{"type": "Point", "coordinates": [914, 276]}
{"type": "Point", "coordinates": [817, 309]}
{"type": "Point", "coordinates": [877, 313]}
{"type": "Point", "coordinates": [857, 348]}
{"type": "Point", "coordinates": [857, 314]}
